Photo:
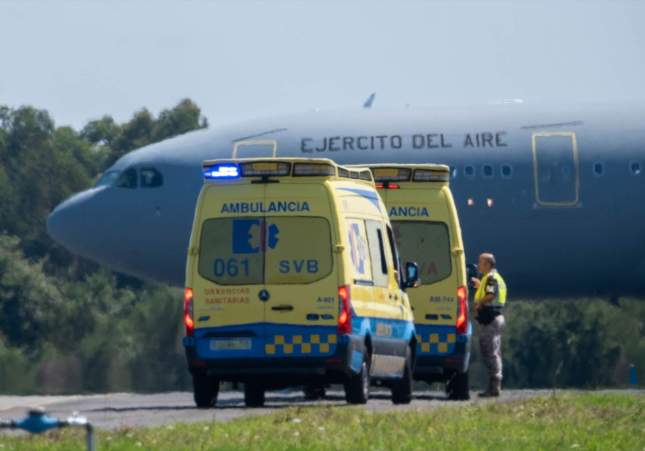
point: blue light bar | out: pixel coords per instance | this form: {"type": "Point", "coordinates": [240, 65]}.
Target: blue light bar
{"type": "Point", "coordinates": [222, 171]}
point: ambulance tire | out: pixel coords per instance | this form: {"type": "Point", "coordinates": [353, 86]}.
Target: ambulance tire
{"type": "Point", "coordinates": [205, 390]}
{"type": "Point", "coordinates": [457, 387]}
{"type": "Point", "coordinates": [402, 388]}
{"type": "Point", "coordinates": [253, 395]}
{"type": "Point", "coordinates": [357, 387]}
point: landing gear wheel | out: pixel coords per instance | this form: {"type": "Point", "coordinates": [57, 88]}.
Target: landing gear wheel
{"type": "Point", "coordinates": [253, 395]}
{"type": "Point", "coordinates": [314, 392]}
{"type": "Point", "coordinates": [402, 388]}
{"type": "Point", "coordinates": [357, 387]}
{"type": "Point", "coordinates": [457, 387]}
{"type": "Point", "coordinates": [205, 390]}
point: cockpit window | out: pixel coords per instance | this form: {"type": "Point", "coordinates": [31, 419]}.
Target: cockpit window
{"type": "Point", "coordinates": [108, 178]}
{"type": "Point", "coordinates": [132, 178]}
{"type": "Point", "coordinates": [150, 178]}
{"type": "Point", "coordinates": [127, 179]}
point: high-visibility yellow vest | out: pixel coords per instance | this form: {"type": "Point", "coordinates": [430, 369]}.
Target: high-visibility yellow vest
{"type": "Point", "coordinates": [500, 298]}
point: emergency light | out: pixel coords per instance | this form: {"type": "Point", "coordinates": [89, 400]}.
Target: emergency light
{"type": "Point", "coordinates": [387, 185]}
{"type": "Point", "coordinates": [222, 171]}
{"type": "Point", "coordinates": [391, 174]}
{"type": "Point", "coordinates": [429, 175]}
{"type": "Point", "coordinates": [305, 169]}
{"type": "Point", "coordinates": [276, 167]}
{"type": "Point", "coordinates": [265, 169]}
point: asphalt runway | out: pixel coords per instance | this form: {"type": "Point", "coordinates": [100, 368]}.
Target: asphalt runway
{"type": "Point", "coordinates": [126, 410]}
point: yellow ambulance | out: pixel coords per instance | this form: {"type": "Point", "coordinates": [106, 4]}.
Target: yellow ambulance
{"type": "Point", "coordinates": [293, 279]}
{"type": "Point", "coordinates": [427, 230]}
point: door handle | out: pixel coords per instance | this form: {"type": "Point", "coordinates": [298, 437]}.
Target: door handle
{"type": "Point", "coordinates": [282, 308]}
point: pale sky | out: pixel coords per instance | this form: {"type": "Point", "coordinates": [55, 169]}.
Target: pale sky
{"type": "Point", "coordinates": [241, 59]}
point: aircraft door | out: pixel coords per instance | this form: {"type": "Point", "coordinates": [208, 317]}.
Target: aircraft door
{"type": "Point", "coordinates": [255, 149]}
{"type": "Point", "coordinates": [556, 169]}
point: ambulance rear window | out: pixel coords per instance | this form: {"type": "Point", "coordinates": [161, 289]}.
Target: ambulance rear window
{"type": "Point", "coordinates": [427, 244]}
{"type": "Point", "coordinates": [265, 250]}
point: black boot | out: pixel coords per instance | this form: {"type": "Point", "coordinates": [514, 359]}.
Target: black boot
{"type": "Point", "coordinates": [493, 390]}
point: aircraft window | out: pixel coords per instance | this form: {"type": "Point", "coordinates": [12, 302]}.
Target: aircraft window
{"type": "Point", "coordinates": [108, 178]}
{"type": "Point", "coordinates": [453, 172]}
{"type": "Point", "coordinates": [507, 171]}
{"type": "Point", "coordinates": [150, 178]}
{"type": "Point", "coordinates": [127, 179]}
{"type": "Point", "coordinates": [487, 171]}
{"type": "Point", "coordinates": [635, 167]}
{"type": "Point", "coordinates": [469, 171]}
{"type": "Point", "coordinates": [598, 169]}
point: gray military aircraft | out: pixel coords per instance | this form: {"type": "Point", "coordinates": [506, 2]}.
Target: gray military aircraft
{"type": "Point", "coordinates": [557, 194]}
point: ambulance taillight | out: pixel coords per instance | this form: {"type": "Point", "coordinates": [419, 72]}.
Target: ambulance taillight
{"type": "Point", "coordinates": [345, 315]}
{"type": "Point", "coordinates": [188, 312]}
{"type": "Point", "coordinates": [462, 312]}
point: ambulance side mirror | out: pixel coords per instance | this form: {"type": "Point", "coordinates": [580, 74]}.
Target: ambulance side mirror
{"type": "Point", "coordinates": [411, 275]}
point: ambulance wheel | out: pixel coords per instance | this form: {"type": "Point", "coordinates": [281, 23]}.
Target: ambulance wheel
{"type": "Point", "coordinates": [314, 392]}
{"type": "Point", "coordinates": [457, 387]}
{"type": "Point", "coordinates": [402, 388]}
{"type": "Point", "coordinates": [205, 390]}
{"type": "Point", "coordinates": [357, 387]}
{"type": "Point", "coordinates": [253, 395]}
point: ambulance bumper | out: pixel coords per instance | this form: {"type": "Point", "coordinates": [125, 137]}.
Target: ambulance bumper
{"type": "Point", "coordinates": [282, 371]}
{"type": "Point", "coordinates": [436, 366]}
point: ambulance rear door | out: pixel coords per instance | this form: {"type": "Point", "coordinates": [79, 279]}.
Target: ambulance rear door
{"type": "Point", "coordinates": [229, 269]}
{"type": "Point", "coordinates": [300, 282]}
{"type": "Point", "coordinates": [420, 216]}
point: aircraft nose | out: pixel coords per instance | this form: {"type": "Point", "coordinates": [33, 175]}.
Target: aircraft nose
{"type": "Point", "coordinates": [68, 223]}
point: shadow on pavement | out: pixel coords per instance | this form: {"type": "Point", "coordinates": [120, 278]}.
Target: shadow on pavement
{"type": "Point", "coordinates": [272, 402]}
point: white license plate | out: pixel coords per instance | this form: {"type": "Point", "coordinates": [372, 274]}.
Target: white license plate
{"type": "Point", "coordinates": [231, 344]}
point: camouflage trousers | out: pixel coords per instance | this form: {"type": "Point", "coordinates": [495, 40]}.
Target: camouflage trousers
{"type": "Point", "coordinates": [490, 344]}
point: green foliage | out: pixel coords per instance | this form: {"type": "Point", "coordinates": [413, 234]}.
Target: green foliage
{"type": "Point", "coordinates": [570, 421]}
{"type": "Point", "coordinates": [569, 343]}
{"type": "Point", "coordinates": [143, 129]}
{"type": "Point", "coordinates": [65, 324]}
{"type": "Point", "coordinates": [85, 335]}
{"type": "Point", "coordinates": [29, 300]}
{"type": "Point", "coordinates": [40, 165]}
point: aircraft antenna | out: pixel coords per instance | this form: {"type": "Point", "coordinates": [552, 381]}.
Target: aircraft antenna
{"type": "Point", "coordinates": [370, 100]}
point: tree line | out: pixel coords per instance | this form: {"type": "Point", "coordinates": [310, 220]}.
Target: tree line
{"type": "Point", "coordinates": [68, 325]}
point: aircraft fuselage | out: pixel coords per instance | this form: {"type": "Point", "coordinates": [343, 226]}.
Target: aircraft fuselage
{"type": "Point", "coordinates": [555, 194]}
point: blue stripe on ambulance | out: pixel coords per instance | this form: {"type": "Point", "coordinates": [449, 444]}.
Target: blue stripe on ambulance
{"type": "Point", "coordinates": [267, 340]}
{"type": "Point", "coordinates": [367, 194]}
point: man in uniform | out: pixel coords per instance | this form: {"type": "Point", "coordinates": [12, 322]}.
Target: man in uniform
{"type": "Point", "coordinates": [490, 298]}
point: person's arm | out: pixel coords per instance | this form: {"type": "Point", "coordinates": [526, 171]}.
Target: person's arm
{"type": "Point", "coordinates": [487, 299]}
{"type": "Point", "coordinates": [491, 291]}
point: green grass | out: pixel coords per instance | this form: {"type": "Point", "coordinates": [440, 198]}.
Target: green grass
{"type": "Point", "coordinates": [572, 421]}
